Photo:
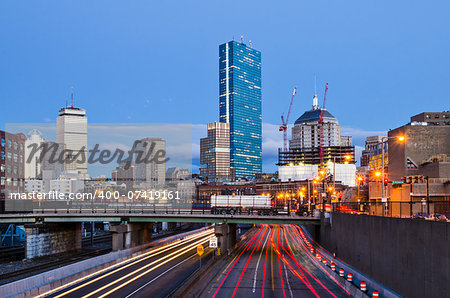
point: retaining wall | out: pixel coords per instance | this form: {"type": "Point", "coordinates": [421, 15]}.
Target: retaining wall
{"type": "Point", "coordinates": [412, 257]}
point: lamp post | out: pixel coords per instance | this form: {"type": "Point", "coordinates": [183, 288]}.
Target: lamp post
{"type": "Point", "coordinates": [385, 139]}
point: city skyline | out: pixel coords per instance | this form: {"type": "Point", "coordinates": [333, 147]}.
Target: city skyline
{"type": "Point", "coordinates": [378, 66]}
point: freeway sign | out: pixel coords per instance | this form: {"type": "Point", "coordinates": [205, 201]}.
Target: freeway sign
{"type": "Point", "coordinates": [213, 242]}
{"type": "Point", "coordinates": [200, 250]}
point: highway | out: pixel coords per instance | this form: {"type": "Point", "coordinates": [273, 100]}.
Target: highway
{"type": "Point", "coordinates": [155, 273]}
{"type": "Point", "coordinates": [274, 261]}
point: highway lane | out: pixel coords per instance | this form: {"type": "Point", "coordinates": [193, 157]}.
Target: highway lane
{"type": "Point", "coordinates": [155, 273]}
{"type": "Point", "coordinates": [275, 261]}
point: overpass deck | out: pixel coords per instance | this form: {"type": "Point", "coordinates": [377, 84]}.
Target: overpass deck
{"type": "Point", "coordinates": [154, 217]}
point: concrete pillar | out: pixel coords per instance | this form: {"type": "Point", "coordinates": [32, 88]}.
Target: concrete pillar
{"type": "Point", "coordinates": [226, 236]}
{"type": "Point", "coordinates": [51, 238]}
{"type": "Point", "coordinates": [130, 235]}
{"type": "Point", "coordinates": [172, 226]}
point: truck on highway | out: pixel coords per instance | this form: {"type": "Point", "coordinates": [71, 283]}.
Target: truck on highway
{"type": "Point", "coordinates": [228, 204]}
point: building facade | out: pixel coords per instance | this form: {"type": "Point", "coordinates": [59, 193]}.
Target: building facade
{"type": "Point", "coordinates": [423, 139]}
{"type": "Point", "coordinates": [303, 158]}
{"type": "Point", "coordinates": [215, 153]}
{"type": "Point", "coordinates": [150, 172]}
{"type": "Point", "coordinates": [72, 133]}
{"type": "Point", "coordinates": [12, 166]}
{"type": "Point", "coordinates": [372, 144]}
{"type": "Point", "coordinates": [240, 105]}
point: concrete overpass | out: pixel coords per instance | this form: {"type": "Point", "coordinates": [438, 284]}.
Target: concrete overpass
{"type": "Point", "coordinates": [55, 232]}
{"type": "Point", "coordinates": [154, 217]}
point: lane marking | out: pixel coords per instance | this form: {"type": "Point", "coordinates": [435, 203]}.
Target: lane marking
{"type": "Point", "coordinates": [146, 284]}
{"type": "Point", "coordinates": [153, 252]}
{"type": "Point", "coordinates": [257, 264]}
{"type": "Point", "coordinates": [173, 256]}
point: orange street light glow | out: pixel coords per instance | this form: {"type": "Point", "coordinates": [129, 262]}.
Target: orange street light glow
{"type": "Point", "coordinates": [378, 174]}
{"type": "Point", "coordinates": [401, 138]}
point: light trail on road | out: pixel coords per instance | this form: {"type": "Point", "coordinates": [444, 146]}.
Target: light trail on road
{"type": "Point", "coordinates": [295, 274]}
{"type": "Point", "coordinates": [136, 269]}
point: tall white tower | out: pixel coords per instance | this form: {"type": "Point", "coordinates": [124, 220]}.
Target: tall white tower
{"type": "Point", "coordinates": [71, 132]}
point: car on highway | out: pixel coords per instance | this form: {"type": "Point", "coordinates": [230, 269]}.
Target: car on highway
{"type": "Point", "coordinates": [421, 215]}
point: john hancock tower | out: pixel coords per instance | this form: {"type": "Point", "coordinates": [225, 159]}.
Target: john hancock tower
{"type": "Point", "coordinates": [240, 105]}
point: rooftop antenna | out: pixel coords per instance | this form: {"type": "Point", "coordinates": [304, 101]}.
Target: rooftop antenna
{"type": "Point", "coordinates": [315, 78]}
{"type": "Point", "coordinates": [242, 38]}
{"type": "Point", "coordinates": [250, 43]}
{"type": "Point", "coordinates": [71, 97]}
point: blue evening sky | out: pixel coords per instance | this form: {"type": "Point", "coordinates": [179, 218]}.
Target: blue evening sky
{"type": "Point", "coordinates": [157, 61]}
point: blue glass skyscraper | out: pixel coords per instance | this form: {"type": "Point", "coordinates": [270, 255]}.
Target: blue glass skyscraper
{"type": "Point", "coordinates": [240, 105]}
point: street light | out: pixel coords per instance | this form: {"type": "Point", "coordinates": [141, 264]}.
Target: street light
{"type": "Point", "coordinates": [383, 139]}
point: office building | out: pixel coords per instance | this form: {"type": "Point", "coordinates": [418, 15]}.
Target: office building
{"type": "Point", "coordinates": [150, 172]}
{"type": "Point", "coordinates": [306, 130]}
{"type": "Point", "coordinates": [12, 164]}
{"type": "Point", "coordinates": [372, 148]}
{"type": "Point", "coordinates": [72, 133]}
{"type": "Point", "coordinates": [303, 158]}
{"type": "Point", "coordinates": [215, 153]}
{"type": "Point", "coordinates": [240, 105]}
{"type": "Point", "coordinates": [427, 135]}
{"type": "Point", "coordinates": [125, 175]}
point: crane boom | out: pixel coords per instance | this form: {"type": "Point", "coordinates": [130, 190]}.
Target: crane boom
{"type": "Point", "coordinates": [284, 122]}
{"type": "Point", "coordinates": [322, 137]}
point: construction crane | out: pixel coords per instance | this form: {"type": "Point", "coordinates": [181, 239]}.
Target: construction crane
{"type": "Point", "coordinates": [284, 122]}
{"type": "Point", "coordinates": [321, 124]}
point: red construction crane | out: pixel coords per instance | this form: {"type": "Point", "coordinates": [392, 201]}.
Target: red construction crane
{"type": "Point", "coordinates": [321, 124]}
{"type": "Point", "coordinates": [284, 122]}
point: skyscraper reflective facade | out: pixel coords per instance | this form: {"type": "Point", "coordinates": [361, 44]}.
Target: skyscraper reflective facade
{"type": "Point", "coordinates": [240, 105]}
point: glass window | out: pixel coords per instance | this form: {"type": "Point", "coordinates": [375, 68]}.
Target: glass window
{"type": "Point", "coordinates": [8, 142]}
{"type": "Point", "coordinates": [15, 146]}
{"type": "Point", "coordinates": [8, 155]}
{"type": "Point", "coordinates": [2, 155]}
{"type": "Point", "coordinates": [2, 168]}
{"type": "Point", "coordinates": [2, 181]}
{"type": "Point", "coordinates": [3, 142]}
{"type": "Point", "coordinates": [15, 157]}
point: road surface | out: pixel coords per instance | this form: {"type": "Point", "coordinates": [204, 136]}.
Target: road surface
{"type": "Point", "coordinates": [155, 273]}
{"type": "Point", "coordinates": [273, 262]}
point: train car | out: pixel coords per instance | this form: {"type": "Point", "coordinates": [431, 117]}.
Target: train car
{"type": "Point", "coordinates": [226, 204]}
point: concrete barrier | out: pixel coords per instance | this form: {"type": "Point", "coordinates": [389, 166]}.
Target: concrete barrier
{"type": "Point", "coordinates": [357, 276]}
{"type": "Point", "coordinates": [46, 281]}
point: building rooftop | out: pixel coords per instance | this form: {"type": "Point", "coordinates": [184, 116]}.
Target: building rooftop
{"type": "Point", "coordinates": [313, 116]}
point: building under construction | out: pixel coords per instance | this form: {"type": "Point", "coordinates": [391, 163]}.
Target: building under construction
{"type": "Point", "coordinates": [311, 156]}
{"type": "Point", "coordinates": [317, 142]}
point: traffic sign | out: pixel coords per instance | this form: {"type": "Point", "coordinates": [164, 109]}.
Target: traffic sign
{"type": "Point", "coordinates": [200, 250]}
{"type": "Point", "coordinates": [213, 242]}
